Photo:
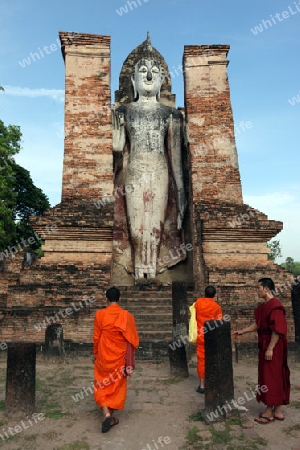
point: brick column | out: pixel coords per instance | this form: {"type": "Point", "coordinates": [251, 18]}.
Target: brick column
{"type": "Point", "coordinates": [214, 167]}
{"type": "Point", "coordinates": [88, 161]}
{"type": "Point", "coordinates": [213, 162]}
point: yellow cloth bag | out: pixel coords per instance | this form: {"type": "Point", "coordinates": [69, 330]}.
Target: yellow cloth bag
{"type": "Point", "coordinates": [193, 332]}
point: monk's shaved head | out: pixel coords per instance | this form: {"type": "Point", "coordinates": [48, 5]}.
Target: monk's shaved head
{"type": "Point", "coordinates": [210, 291]}
{"type": "Point", "coordinates": [113, 294]}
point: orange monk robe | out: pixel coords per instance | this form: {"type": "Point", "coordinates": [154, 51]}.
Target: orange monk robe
{"type": "Point", "coordinates": [113, 327]}
{"type": "Point", "coordinates": [206, 309]}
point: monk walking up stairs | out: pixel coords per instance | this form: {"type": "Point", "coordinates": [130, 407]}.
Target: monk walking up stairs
{"type": "Point", "coordinates": [115, 334]}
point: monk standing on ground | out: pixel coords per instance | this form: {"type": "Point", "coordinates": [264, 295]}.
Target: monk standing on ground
{"type": "Point", "coordinates": [206, 309]}
{"type": "Point", "coordinates": [273, 371]}
{"type": "Point", "coordinates": [114, 328]}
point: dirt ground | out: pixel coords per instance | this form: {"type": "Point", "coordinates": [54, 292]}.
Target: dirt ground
{"type": "Point", "coordinates": [158, 406]}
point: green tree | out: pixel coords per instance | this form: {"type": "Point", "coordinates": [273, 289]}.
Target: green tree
{"type": "Point", "coordinates": [10, 138]}
{"type": "Point", "coordinates": [275, 248]}
{"type": "Point", "coordinates": [292, 266]}
{"type": "Point", "coordinates": [19, 197]}
{"type": "Point", "coordinates": [296, 269]}
{"type": "Point", "coordinates": [289, 263]}
{"type": "Point", "coordinates": [30, 201]}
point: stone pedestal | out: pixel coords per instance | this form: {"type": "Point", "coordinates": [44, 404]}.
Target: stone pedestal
{"type": "Point", "coordinates": [178, 354]}
{"type": "Point", "coordinates": [180, 309]}
{"type": "Point", "coordinates": [178, 361]}
{"type": "Point", "coordinates": [219, 390]}
{"type": "Point", "coordinates": [20, 378]}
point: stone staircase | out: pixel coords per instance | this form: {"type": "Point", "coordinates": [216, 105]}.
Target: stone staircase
{"type": "Point", "coordinates": [152, 309]}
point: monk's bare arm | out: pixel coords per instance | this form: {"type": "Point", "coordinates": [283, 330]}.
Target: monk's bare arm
{"type": "Point", "coordinates": [250, 329]}
{"type": "Point", "coordinates": [273, 342]}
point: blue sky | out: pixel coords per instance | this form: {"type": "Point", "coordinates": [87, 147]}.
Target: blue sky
{"type": "Point", "coordinates": [263, 75]}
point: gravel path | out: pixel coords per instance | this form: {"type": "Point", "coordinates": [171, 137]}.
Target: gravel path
{"type": "Point", "coordinates": [160, 413]}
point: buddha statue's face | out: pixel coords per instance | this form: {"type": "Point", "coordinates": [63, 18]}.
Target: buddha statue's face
{"type": "Point", "coordinates": [147, 78]}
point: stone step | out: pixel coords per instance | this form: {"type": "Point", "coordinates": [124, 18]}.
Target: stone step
{"type": "Point", "coordinates": [146, 300]}
{"type": "Point", "coordinates": [167, 317]}
{"type": "Point", "coordinates": [153, 335]}
{"type": "Point", "coordinates": [152, 316]}
{"type": "Point", "coordinates": [145, 328]}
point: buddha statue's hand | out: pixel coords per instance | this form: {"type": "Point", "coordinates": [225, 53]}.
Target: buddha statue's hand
{"type": "Point", "coordinates": [118, 131]}
{"type": "Point", "coordinates": [181, 207]}
{"type": "Point", "coordinates": [179, 221]}
{"type": "Point", "coordinates": [180, 217]}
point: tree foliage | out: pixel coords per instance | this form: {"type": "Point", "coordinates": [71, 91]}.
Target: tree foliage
{"type": "Point", "coordinates": [292, 266]}
{"type": "Point", "coordinates": [30, 201]}
{"type": "Point", "coordinates": [10, 138]}
{"type": "Point", "coordinates": [19, 197]}
{"type": "Point", "coordinates": [289, 263]}
{"type": "Point", "coordinates": [275, 250]}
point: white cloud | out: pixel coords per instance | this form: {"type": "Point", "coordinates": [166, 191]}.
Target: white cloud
{"type": "Point", "coordinates": [55, 94]}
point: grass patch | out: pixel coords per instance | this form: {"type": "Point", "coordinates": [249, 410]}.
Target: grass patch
{"type": "Point", "coordinates": [53, 411]}
{"type": "Point", "coordinates": [66, 377]}
{"type": "Point", "coordinates": [292, 428]}
{"type": "Point", "coordinates": [84, 368]}
{"type": "Point", "coordinates": [2, 405]}
{"type": "Point", "coordinates": [295, 404]}
{"type": "Point", "coordinates": [234, 422]}
{"type": "Point", "coordinates": [197, 417]}
{"type": "Point", "coordinates": [50, 435]}
{"type": "Point", "coordinates": [56, 414]}
{"type": "Point", "coordinates": [222, 437]}
{"type": "Point", "coordinates": [193, 437]}
{"type": "Point", "coordinates": [39, 384]}
{"type": "Point", "coordinates": [77, 445]}
{"type": "Point", "coordinates": [169, 381]}
{"type": "Point", "coordinates": [30, 437]}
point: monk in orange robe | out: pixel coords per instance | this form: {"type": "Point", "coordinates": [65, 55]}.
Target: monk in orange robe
{"type": "Point", "coordinates": [114, 328]}
{"type": "Point", "coordinates": [273, 372]}
{"type": "Point", "coordinates": [206, 309]}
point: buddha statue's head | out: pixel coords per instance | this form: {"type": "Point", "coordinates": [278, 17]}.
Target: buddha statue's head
{"type": "Point", "coordinates": [147, 78]}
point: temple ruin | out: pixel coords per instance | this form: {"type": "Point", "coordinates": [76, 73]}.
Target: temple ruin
{"type": "Point", "coordinates": [93, 244]}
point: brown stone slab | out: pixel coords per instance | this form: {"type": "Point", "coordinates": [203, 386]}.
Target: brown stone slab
{"type": "Point", "coordinates": [20, 378]}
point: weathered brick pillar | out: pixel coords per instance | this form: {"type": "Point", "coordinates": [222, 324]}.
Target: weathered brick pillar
{"type": "Point", "coordinates": [20, 378]}
{"type": "Point", "coordinates": [88, 160]}
{"type": "Point", "coordinates": [215, 173]}
{"type": "Point", "coordinates": [213, 161]}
